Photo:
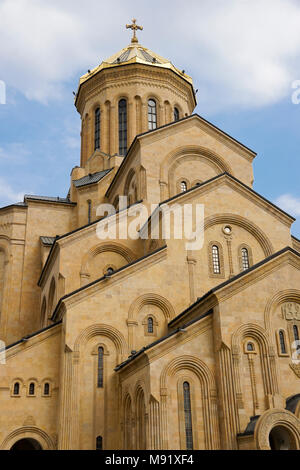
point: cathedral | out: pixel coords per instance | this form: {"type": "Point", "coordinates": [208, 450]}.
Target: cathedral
{"type": "Point", "coordinates": [131, 343]}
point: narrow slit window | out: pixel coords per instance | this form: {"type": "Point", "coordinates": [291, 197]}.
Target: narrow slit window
{"type": "Point", "coordinates": [100, 367]}
{"type": "Point", "coordinates": [216, 260]}
{"type": "Point", "coordinates": [99, 443]}
{"type": "Point", "coordinates": [31, 389]}
{"type": "Point", "coordinates": [245, 259]}
{"type": "Point", "coordinates": [17, 388]}
{"type": "Point", "coordinates": [282, 342]}
{"type": "Point", "coordinates": [150, 325]}
{"type": "Point", "coordinates": [176, 114]}
{"type": "Point", "coordinates": [89, 212]}
{"type": "Point", "coordinates": [296, 332]}
{"type": "Point", "coordinates": [122, 127]}
{"type": "Point", "coordinates": [188, 416]}
{"type": "Point", "coordinates": [152, 115]}
{"type": "Point", "coordinates": [47, 389]}
{"type": "Point", "coordinates": [97, 128]}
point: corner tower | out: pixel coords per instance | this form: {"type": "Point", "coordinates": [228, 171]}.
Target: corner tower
{"type": "Point", "coordinates": [133, 91]}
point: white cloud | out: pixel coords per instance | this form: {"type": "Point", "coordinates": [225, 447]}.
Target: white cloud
{"type": "Point", "coordinates": [241, 53]}
{"type": "Point", "coordinates": [14, 152]}
{"type": "Point", "coordinates": [289, 203]}
{"type": "Point", "coordinates": [8, 194]}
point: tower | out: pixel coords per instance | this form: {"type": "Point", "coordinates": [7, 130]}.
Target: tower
{"type": "Point", "coordinates": [131, 92]}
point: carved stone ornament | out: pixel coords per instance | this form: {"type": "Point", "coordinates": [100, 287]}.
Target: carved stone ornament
{"type": "Point", "coordinates": [291, 311]}
{"type": "Point", "coordinates": [296, 369]}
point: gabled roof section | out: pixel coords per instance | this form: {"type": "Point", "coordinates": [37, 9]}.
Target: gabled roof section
{"type": "Point", "coordinates": [17, 204]}
{"type": "Point", "coordinates": [246, 149]}
{"type": "Point", "coordinates": [33, 335]}
{"type": "Point", "coordinates": [91, 178]}
{"type": "Point", "coordinates": [216, 178]}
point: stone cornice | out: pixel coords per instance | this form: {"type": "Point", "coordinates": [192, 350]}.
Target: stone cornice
{"type": "Point", "coordinates": [140, 72]}
{"type": "Point", "coordinates": [32, 341]}
{"type": "Point", "coordinates": [239, 186]}
{"type": "Point", "coordinates": [164, 131]}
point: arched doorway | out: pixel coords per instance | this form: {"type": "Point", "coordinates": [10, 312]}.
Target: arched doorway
{"type": "Point", "coordinates": [26, 444]}
{"type": "Point", "coordinates": [281, 439]}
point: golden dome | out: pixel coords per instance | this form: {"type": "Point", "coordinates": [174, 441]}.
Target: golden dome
{"type": "Point", "coordinates": [136, 53]}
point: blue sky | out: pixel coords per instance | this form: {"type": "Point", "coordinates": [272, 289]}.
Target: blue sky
{"type": "Point", "coordinates": [243, 55]}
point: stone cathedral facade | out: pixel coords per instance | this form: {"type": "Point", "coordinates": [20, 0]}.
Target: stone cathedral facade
{"type": "Point", "coordinates": [143, 343]}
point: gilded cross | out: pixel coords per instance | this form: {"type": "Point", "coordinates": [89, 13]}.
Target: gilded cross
{"type": "Point", "coordinates": [134, 28]}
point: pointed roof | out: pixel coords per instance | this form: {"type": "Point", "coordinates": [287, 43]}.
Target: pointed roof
{"type": "Point", "coordinates": [135, 53]}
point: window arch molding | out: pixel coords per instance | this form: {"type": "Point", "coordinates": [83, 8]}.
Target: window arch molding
{"type": "Point", "coordinates": [160, 107]}
{"type": "Point", "coordinates": [190, 379]}
{"type": "Point", "coordinates": [21, 387]}
{"type": "Point", "coordinates": [105, 354]}
{"type": "Point", "coordinates": [242, 247]}
{"type": "Point", "coordinates": [176, 113]}
{"type": "Point", "coordinates": [155, 324]}
{"type": "Point", "coordinates": [43, 390]}
{"type": "Point", "coordinates": [152, 114]}
{"type": "Point", "coordinates": [179, 183]}
{"type": "Point", "coordinates": [281, 335]}
{"type": "Point", "coordinates": [184, 365]}
{"type": "Point", "coordinates": [196, 183]}
{"type": "Point", "coordinates": [221, 274]}
{"type": "Point", "coordinates": [32, 387]}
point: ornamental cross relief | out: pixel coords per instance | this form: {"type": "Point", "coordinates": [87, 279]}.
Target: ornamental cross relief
{"type": "Point", "coordinates": [291, 311]}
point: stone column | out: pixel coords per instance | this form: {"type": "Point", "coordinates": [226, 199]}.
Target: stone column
{"type": "Point", "coordinates": [114, 142]}
{"type": "Point", "coordinates": [191, 268]}
{"type": "Point", "coordinates": [69, 406]}
{"type": "Point", "coordinates": [164, 418]}
{"type": "Point", "coordinates": [105, 128]}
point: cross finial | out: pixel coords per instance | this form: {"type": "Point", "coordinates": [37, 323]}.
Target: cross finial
{"type": "Point", "coordinates": [134, 28]}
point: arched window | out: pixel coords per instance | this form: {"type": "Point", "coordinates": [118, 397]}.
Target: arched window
{"type": "Point", "coordinates": [250, 347]}
{"type": "Point", "coordinates": [183, 186]}
{"type": "Point", "coordinates": [100, 367]}
{"type": "Point", "coordinates": [282, 342]}
{"type": "Point", "coordinates": [99, 443]}
{"type": "Point", "coordinates": [122, 127]}
{"type": "Point", "coordinates": [97, 128]}
{"type": "Point", "coordinates": [152, 115]}
{"type": "Point", "coordinates": [216, 259]}
{"type": "Point", "coordinates": [110, 271]}
{"type": "Point", "coordinates": [47, 389]}
{"type": "Point", "coordinates": [150, 325]}
{"type": "Point", "coordinates": [176, 114]}
{"type": "Point", "coordinates": [188, 416]}
{"type": "Point", "coordinates": [17, 388]}
{"type": "Point", "coordinates": [245, 259]}
{"type": "Point", "coordinates": [31, 388]}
